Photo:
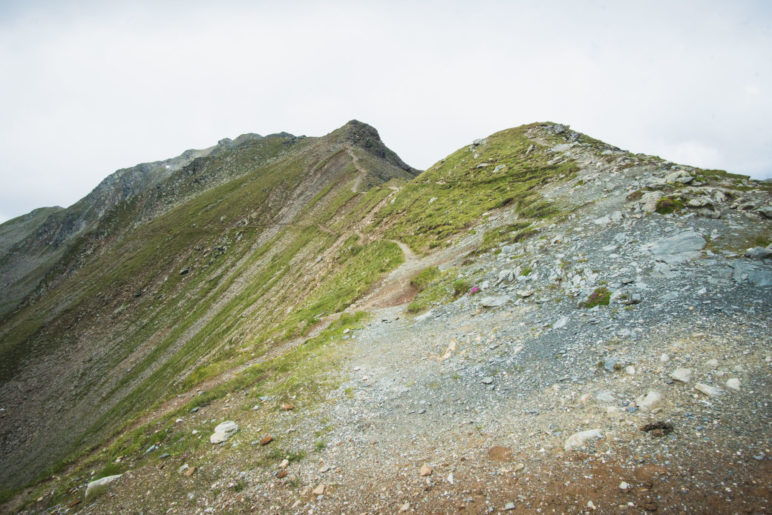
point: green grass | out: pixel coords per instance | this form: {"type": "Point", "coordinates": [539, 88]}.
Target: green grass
{"type": "Point", "coordinates": [600, 297]}
{"type": "Point", "coordinates": [667, 205]}
{"type": "Point", "coordinates": [425, 277]}
{"type": "Point", "coordinates": [460, 287]}
{"type": "Point", "coordinates": [462, 192]}
{"type": "Point", "coordinates": [505, 235]}
{"type": "Point", "coordinates": [443, 289]}
{"type": "Point", "coordinates": [303, 372]}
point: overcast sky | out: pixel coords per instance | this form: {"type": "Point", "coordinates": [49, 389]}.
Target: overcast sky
{"type": "Point", "coordinates": [90, 87]}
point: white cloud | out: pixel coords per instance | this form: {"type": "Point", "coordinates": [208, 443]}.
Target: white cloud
{"type": "Point", "coordinates": [96, 86]}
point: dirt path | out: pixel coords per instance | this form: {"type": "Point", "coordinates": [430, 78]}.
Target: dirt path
{"type": "Point", "coordinates": [362, 171]}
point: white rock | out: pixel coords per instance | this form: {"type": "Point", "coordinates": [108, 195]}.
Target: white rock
{"type": "Point", "coordinates": [682, 374]}
{"type": "Point", "coordinates": [713, 363]}
{"type": "Point", "coordinates": [562, 321]}
{"type": "Point", "coordinates": [493, 301]}
{"type": "Point", "coordinates": [710, 391]}
{"type": "Point", "coordinates": [223, 431]}
{"type": "Point", "coordinates": [630, 370]}
{"type": "Point", "coordinates": [664, 358]}
{"type": "Point", "coordinates": [605, 396]}
{"type": "Point", "coordinates": [649, 200]}
{"type": "Point", "coordinates": [95, 486]}
{"type": "Point", "coordinates": [624, 486]}
{"type": "Point", "coordinates": [733, 383]}
{"type": "Point", "coordinates": [578, 440]}
{"type": "Point", "coordinates": [650, 401]}
{"type": "Point", "coordinates": [506, 275]}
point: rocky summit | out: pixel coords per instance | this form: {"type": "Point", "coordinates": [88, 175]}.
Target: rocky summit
{"type": "Point", "coordinates": [539, 322]}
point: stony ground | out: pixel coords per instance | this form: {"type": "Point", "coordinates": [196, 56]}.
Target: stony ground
{"type": "Point", "coordinates": [518, 398]}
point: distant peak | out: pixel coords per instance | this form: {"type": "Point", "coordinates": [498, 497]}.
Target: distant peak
{"type": "Point", "coordinates": [359, 133]}
{"type": "Point", "coordinates": [365, 136]}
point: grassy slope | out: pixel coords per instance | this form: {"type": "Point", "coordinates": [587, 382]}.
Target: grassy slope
{"type": "Point", "coordinates": [452, 195]}
{"type": "Point", "coordinates": [157, 338]}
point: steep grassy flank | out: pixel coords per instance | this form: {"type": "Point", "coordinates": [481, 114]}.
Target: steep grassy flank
{"type": "Point", "coordinates": [212, 283]}
{"type": "Point", "coordinates": [453, 194]}
{"type": "Point", "coordinates": [302, 374]}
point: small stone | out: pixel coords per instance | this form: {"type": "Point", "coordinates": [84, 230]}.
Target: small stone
{"type": "Point", "coordinates": [487, 380]}
{"type": "Point", "coordinates": [630, 370]}
{"type": "Point", "coordinates": [404, 507]}
{"type": "Point", "coordinates": [509, 506]}
{"type": "Point", "coordinates": [664, 358]}
{"type": "Point", "coordinates": [284, 464]}
{"type": "Point", "coordinates": [632, 299]}
{"type": "Point", "coordinates": [426, 470]}
{"type": "Point", "coordinates": [658, 428]}
{"type": "Point", "coordinates": [223, 432]}
{"type": "Point", "coordinates": [580, 439]}
{"type": "Point", "coordinates": [319, 490]}
{"type": "Point", "coordinates": [649, 200]}
{"type": "Point", "coordinates": [183, 468]}
{"type": "Point", "coordinates": [605, 396]}
{"type": "Point", "coordinates": [683, 375]}
{"type": "Point", "coordinates": [562, 321]}
{"type": "Point", "coordinates": [713, 363]}
{"type": "Point", "coordinates": [500, 453]}
{"type": "Point", "coordinates": [281, 474]}
{"type": "Point", "coordinates": [652, 399]}
{"type": "Point", "coordinates": [733, 383]}
{"type": "Point", "coordinates": [710, 391]}
{"type": "Point", "coordinates": [493, 301]}
{"type": "Point", "coordinates": [287, 407]}
{"type": "Point", "coordinates": [189, 472]}
{"type": "Point", "coordinates": [624, 486]}
{"type": "Point", "coordinates": [266, 440]}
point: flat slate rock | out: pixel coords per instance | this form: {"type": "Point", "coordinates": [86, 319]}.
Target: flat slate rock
{"type": "Point", "coordinates": [681, 247]}
{"type": "Point", "coordinates": [493, 301]}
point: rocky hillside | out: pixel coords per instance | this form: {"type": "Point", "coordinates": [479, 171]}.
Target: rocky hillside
{"type": "Point", "coordinates": [539, 322]}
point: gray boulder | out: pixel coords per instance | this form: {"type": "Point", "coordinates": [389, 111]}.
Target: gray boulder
{"type": "Point", "coordinates": [678, 248]}
{"type": "Point", "coordinates": [493, 301]}
{"type": "Point", "coordinates": [759, 253]}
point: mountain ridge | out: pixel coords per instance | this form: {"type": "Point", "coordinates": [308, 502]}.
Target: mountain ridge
{"type": "Point", "coordinates": [494, 283]}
